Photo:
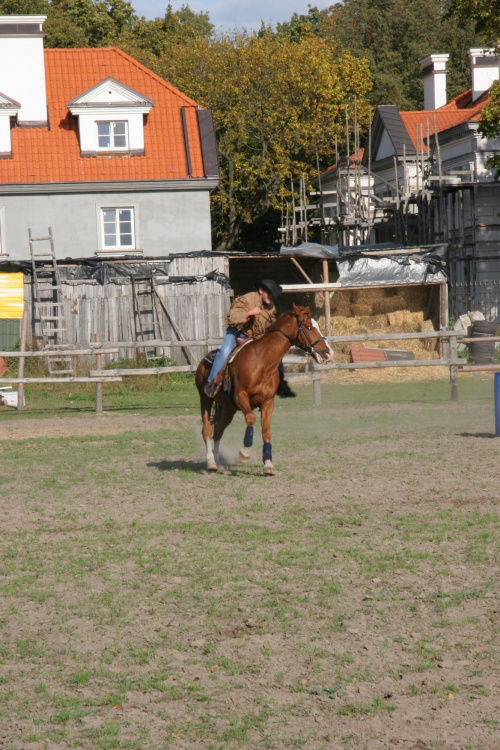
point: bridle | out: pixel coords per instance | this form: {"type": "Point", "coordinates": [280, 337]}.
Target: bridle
{"type": "Point", "coordinates": [307, 347]}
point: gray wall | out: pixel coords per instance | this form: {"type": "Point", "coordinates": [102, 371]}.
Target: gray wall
{"type": "Point", "coordinates": [167, 222]}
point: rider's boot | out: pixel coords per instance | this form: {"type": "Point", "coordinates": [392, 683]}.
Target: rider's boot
{"type": "Point", "coordinates": [284, 390]}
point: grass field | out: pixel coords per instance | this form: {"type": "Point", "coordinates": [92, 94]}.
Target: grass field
{"type": "Point", "coordinates": [352, 601]}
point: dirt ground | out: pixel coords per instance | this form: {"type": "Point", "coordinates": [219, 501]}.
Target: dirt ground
{"type": "Point", "coordinates": [352, 601]}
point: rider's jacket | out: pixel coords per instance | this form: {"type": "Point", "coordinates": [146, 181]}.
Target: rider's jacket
{"type": "Point", "coordinates": [256, 325]}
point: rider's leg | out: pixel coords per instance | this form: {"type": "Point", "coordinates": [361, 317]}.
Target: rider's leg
{"type": "Point", "coordinates": [220, 360]}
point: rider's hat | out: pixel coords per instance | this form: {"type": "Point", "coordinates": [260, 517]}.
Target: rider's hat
{"type": "Point", "coordinates": [271, 286]}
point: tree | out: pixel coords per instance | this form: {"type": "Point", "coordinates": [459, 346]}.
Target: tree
{"type": "Point", "coordinates": [276, 103]}
{"type": "Point", "coordinates": [485, 14]}
{"type": "Point", "coordinates": [394, 35]}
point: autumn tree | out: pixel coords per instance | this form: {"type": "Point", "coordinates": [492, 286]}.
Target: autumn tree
{"type": "Point", "coordinates": [276, 103]}
{"type": "Point", "coordinates": [485, 14]}
{"type": "Point", "coordinates": [393, 35]}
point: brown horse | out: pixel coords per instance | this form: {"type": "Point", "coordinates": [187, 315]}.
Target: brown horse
{"type": "Point", "coordinates": [254, 382]}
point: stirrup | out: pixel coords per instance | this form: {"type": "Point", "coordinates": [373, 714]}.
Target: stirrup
{"type": "Point", "coordinates": [210, 389]}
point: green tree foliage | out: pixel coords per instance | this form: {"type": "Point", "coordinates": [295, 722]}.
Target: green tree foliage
{"type": "Point", "coordinates": [394, 35]}
{"type": "Point", "coordinates": [485, 14]}
{"type": "Point", "coordinates": [275, 103]}
{"type": "Point", "coordinates": [77, 23]}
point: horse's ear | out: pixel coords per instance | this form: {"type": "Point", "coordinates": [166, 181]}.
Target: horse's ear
{"type": "Point", "coordinates": [297, 310]}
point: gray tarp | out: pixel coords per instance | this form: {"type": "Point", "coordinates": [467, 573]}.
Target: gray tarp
{"type": "Point", "coordinates": [379, 271]}
{"type": "Point", "coordinates": [312, 250]}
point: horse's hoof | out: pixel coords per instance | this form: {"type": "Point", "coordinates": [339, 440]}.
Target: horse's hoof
{"type": "Point", "coordinates": [212, 466]}
{"type": "Point", "coordinates": [244, 459]}
{"type": "Point", "coordinates": [269, 469]}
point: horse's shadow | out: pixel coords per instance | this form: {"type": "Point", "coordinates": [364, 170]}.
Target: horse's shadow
{"type": "Point", "coordinates": [197, 467]}
{"type": "Point", "coordinates": [478, 434]}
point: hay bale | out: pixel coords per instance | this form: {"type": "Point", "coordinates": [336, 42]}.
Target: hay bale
{"type": "Point", "coordinates": [429, 345]}
{"type": "Point", "coordinates": [399, 318]}
{"type": "Point", "coordinates": [417, 317]}
{"type": "Point", "coordinates": [374, 323]}
{"type": "Point", "coordinates": [344, 325]}
{"type": "Point", "coordinates": [359, 310]}
{"type": "Point", "coordinates": [389, 304]}
{"type": "Point", "coordinates": [426, 326]}
{"type": "Point", "coordinates": [340, 303]}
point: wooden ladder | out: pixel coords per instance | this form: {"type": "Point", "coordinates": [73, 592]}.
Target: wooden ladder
{"type": "Point", "coordinates": [48, 305]}
{"type": "Point", "coordinates": [147, 318]}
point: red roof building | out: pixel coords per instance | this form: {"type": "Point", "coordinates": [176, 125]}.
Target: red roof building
{"type": "Point", "coordinates": [90, 140]}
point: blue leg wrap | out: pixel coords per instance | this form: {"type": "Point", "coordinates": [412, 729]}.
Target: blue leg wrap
{"type": "Point", "coordinates": [248, 439]}
{"type": "Point", "coordinates": [267, 452]}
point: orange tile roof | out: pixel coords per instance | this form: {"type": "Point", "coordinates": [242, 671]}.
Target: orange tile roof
{"type": "Point", "coordinates": [352, 157]}
{"type": "Point", "coordinates": [449, 116]}
{"type": "Point", "coordinates": [53, 155]}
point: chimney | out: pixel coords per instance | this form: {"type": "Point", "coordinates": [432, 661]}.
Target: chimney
{"type": "Point", "coordinates": [485, 70]}
{"type": "Point", "coordinates": [434, 75]}
{"type": "Point", "coordinates": [22, 67]}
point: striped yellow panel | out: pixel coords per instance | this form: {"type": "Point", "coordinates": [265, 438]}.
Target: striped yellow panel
{"type": "Point", "coordinates": [11, 296]}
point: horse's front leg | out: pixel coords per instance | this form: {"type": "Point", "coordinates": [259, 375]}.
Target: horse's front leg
{"type": "Point", "coordinates": [266, 412]}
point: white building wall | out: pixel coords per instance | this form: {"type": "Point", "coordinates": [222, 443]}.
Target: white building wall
{"type": "Point", "coordinates": [167, 222]}
{"type": "Point", "coordinates": [22, 76]}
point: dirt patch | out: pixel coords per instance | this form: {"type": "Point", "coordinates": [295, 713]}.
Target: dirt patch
{"type": "Point", "coordinates": [351, 602]}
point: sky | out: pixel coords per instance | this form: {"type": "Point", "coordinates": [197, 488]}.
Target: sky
{"type": "Point", "coordinates": [228, 14]}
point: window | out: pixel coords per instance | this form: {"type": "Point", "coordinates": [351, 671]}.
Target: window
{"type": "Point", "coordinates": [112, 135]}
{"type": "Point", "coordinates": [118, 228]}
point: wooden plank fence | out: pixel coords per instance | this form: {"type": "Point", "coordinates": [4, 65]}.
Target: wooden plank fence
{"type": "Point", "coordinates": [449, 340]}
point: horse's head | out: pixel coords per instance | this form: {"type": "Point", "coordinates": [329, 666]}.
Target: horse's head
{"type": "Point", "coordinates": [309, 336]}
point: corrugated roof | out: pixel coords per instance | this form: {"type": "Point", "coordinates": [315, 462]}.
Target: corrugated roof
{"type": "Point", "coordinates": [53, 155]}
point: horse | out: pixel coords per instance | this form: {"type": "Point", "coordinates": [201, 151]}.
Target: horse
{"type": "Point", "coordinates": [254, 380]}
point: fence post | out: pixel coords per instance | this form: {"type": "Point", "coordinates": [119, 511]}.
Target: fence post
{"type": "Point", "coordinates": [98, 386]}
{"type": "Point", "coordinates": [453, 352]}
{"type": "Point", "coordinates": [20, 368]}
{"type": "Point", "coordinates": [316, 386]}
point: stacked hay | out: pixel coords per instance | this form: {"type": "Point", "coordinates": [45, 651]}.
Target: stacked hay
{"type": "Point", "coordinates": [376, 310]}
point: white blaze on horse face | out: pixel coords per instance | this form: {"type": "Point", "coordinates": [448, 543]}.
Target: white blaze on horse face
{"type": "Point", "coordinates": [327, 356]}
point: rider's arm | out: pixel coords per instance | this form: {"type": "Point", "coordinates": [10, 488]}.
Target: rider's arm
{"type": "Point", "coordinates": [239, 310]}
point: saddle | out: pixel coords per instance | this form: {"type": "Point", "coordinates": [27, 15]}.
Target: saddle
{"type": "Point", "coordinates": [223, 378]}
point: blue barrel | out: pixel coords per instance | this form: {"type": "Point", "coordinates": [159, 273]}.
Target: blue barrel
{"type": "Point", "coordinates": [497, 404]}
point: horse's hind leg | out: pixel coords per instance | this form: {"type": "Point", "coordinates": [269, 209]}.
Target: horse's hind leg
{"type": "Point", "coordinates": [206, 430]}
{"type": "Point", "coordinates": [244, 404]}
{"type": "Point", "coordinates": [224, 419]}
{"type": "Point", "coordinates": [266, 412]}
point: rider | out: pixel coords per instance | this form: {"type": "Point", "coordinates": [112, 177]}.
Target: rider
{"type": "Point", "coordinates": [249, 317]}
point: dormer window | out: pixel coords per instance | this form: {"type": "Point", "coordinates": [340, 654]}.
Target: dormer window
{"type": "Point", "coordinates": [111, 119]}
{"type": "Point", "coordinates": [112, 136]}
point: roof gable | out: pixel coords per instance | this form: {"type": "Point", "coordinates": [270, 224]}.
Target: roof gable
{"type": "Point", "coordinates": [110, 93]}
{"type": "Point", "coordinates": [389, 134]}
{"type": "Point", "coordinates": [47, 155]}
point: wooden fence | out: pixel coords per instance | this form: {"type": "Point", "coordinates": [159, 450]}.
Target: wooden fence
{"type": "Point", "coordinates": [449, 341]}
{"type": "Point", "coordinates": [106, 311]}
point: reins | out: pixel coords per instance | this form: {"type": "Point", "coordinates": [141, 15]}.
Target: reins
{"type": "Point", "coordinates": [309, 347]}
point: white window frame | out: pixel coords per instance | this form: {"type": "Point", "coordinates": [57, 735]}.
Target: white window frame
{"type": "Point", "coordinates": [114, 249]}
{"type": "Point", "coordinates": [112, 147]}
